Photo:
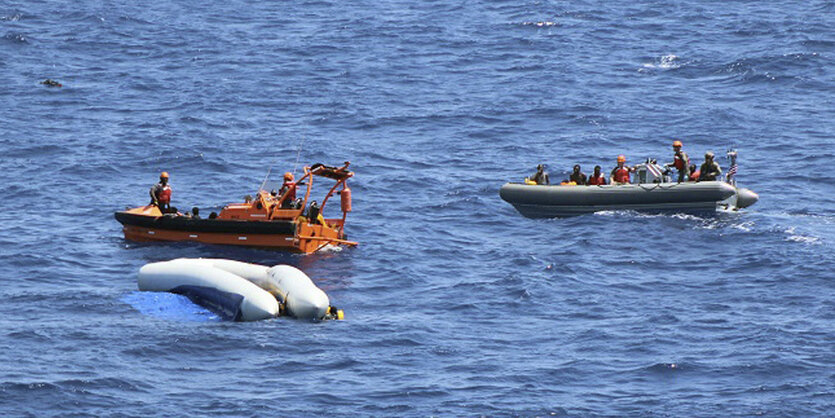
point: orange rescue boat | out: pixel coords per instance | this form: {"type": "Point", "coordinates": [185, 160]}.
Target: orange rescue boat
{"type": "Point", "coordinates": [268, 220]}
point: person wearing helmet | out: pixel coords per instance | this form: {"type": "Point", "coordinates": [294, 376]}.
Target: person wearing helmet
{"type": "Point", "coordinates": [288, 187]}
{"type": "Point", "coordinates": [680, 161]}
{"type": "Point", "coordinates": [620, 174]}
{"type": "Point", "coordinates": [161, 193]}
{"type": "Point", "coordinates": [710, 169]}
{"type": "Point", "coordinates": [540, 177]}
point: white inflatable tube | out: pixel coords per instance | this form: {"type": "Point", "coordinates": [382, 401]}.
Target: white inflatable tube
{"type": "Point", "coordinates": [291, 286]}
{"type": "Point", "coordinates": [176, 275]}
{"type": "Point", "coordinates": [301, 298]}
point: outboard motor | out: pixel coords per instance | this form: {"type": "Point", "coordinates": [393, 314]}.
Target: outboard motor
{"type": "Point", "coordinates": [651, 172]}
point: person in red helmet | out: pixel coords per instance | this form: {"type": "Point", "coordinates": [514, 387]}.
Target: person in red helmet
{"type": "Point", "coordinates": [289, 187]}
{"type": "Point", "coordinates": [161, 193]}
{"type": "Point", "coordinates": [680, 161]}
{"type": "Point", "coordinates": [620, 174]}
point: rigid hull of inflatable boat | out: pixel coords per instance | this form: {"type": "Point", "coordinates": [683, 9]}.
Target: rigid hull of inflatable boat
{"type": "Point", "coordinates": [562, 201]}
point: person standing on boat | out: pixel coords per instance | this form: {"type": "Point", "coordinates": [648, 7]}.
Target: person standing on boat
{"type": "Point", "coordinates": [710, 169]}
{"type": "Point", "coordinates": [577, 176]}
{"type": "Point", "coordinates": [289, 187]}
{"type": "Point", "coordinates": [597, 178]}
{"type": "Point", "coordinates": [620, 174]}
{"type": "Point", "coordinates": [540, 177]}
{"type": "Point", "coordinates": [680, 161]}
{"type": "Point", "coordinates": [161, 193]}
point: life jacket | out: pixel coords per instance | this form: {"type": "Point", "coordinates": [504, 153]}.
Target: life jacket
{"type": "Point", "coordinates": [597, 181]}
{"type": "Point", "coordinates": [680, 162]}
{"type": "Point", "coordinates": [290, 187]}
{"type": "Point", "coordinates": [165, 194]}
{"type": "Point", "coordinates": [568, 183]}
{"type": "Point", "coordinates": [695, 175]}
{"type": "Point", "coordinates": [622, 175]}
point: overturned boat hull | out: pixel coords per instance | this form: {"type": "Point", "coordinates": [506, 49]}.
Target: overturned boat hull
{"type": "Point", "coordinates": [537, 201]}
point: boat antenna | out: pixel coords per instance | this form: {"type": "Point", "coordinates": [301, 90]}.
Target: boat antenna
{"type": "Point", "coordinates": [298, 155]}
{"type": "Point", "coordinates": [265, 179]}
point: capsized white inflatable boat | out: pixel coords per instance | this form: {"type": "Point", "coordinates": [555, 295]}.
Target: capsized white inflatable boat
{"type": "Point", "coordinates": [240, 291]}
{"type": "Point", "coordinates": [652, 190]}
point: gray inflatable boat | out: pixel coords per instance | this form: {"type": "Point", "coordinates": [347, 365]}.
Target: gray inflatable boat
{"type": "Point", "coordinates": [652, 190]}
{"type": "Point", "coordinates": [562, 201]}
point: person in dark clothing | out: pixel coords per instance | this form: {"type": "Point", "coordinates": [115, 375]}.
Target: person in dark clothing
{"type": "Point", "coordinates": [540, 177]}
{"type": "Point", "coordinates": [597, 178]}
{"type": "Point", "coordinates": [709, 170]}
{"type": "Point", "coordinates": [577, 176]}
{"type": "Point", "coordinates": [161, 193]}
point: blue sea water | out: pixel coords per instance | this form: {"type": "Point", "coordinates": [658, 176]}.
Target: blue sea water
{"type": "Point", "coordinates": [455, 304]}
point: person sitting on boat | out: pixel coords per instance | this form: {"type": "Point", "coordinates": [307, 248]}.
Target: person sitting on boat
{"type": "Point", "coordinates": [288, 187]}
{"type": "Point", "coordinates": [161, 193]}
{"type": "Point", "coordinates": [694, 173]}
{"type": "Point", "coordinates": [540, 177]}
{"type": "Point", "coordinates": [710, 169]}
{"type": "Point", "coordinates": [577, 176]}
{"type": "Point", "coordinates": [620, 174]}
{"type": "Point", "coordinates": [597, 178]}
{"type": "Point", "coordinates": [680, 161]}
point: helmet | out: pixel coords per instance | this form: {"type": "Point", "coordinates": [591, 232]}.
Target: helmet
{"type": "Point", "coordinates": [288, 176]}
{"type": "Point", "coordinates": [709, 154]}
{"type": "Point", "coordinates": [676, 143]}
{"type": "Point", "coordinates": [164, 174]}
{"type": "Point", "coordinates": [621, 158]}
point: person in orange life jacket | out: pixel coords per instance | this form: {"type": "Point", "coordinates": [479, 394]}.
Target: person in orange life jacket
{"type": "Point", "coordinates": [694, 173]}
{"type": "Point", "coordinates": [680, 161]}
{"type": "Point", "coordinates": [288, 187]}
{"type": "Point", "coordinates": [540, 177]}
{"type": "Point", "coordinates": [709, 170]}
{"type": "Point", "coordinates": [577, 176]}
{"type": "Point", "coordinates": [620, 174]}
{"type": "Point", "coordinates": [161, 193]}
{"type": "Point", "coordinates": [597, 178]}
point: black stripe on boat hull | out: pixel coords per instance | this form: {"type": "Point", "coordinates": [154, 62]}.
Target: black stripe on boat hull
{"type": "Point", "coordinates": [183, 223]}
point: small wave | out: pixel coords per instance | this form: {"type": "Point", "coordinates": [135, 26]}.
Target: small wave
{"type": "Point", "coordinates": [11, 18]}
{"type": "Point", "coordinates": [542, 24]}
{"type": "Point", "coordinates": [330, 248]}
{"type": "Point", "coordinates": [18, 38]}
{"type": "Point", "coordinates": [666, 62]}
{"type": "Point", "coordinates": [793, 236]}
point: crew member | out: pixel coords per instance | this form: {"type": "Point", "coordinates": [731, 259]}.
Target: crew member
{"type": "Point", "coordinates": [709, 170]}
{"type": "Point", "coordinates": [620, 174]}
{"type": "Point", "coordinates": [161, 193]}
{"type": "Point", "coordinates": [288, 187]}
{"type": "Point", "coordinates": [540, 177]}
{"type": "Point", "coordinates": [597, 178]}
{"type": "Point", "coordinates": [577, 176]}
{"type": "Point", "coordinates": [680, 161]}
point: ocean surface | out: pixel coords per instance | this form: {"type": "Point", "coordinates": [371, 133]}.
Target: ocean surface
{"type": "Point", "coordinates": [455, 304]}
